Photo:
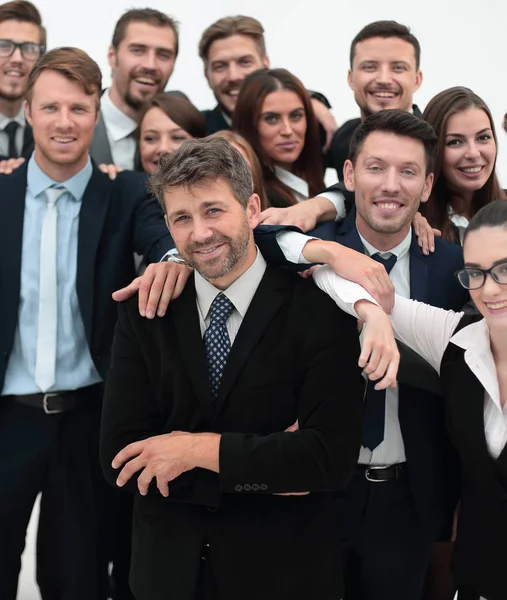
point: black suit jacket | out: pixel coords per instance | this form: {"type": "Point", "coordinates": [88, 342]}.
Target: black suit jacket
{"type": "Point", "coordinates": [339, 150]}
{"type": "Point", "coordinates": [116, 219]}
{"type": "Point", "coordinates": [481, 552]}
{"type": "Point", "coordinates": [295, 357]}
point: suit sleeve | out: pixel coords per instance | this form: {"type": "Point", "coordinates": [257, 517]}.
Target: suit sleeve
{"type": "Point", "coordinates": [130, 414]}
{"type": "Point", "coordinates": [322, 454]}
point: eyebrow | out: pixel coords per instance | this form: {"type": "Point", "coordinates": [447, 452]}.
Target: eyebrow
{"type": "Point", "coordinates": [460, 135]}
{"type": "Point", "coordinates": [497, 262]}
{"type": "Point", "coordinates": [139, 45]}
{"type": "Point", "coordinates": [226, 60]}
{"type": "Point", "coordinates": [409, 163]}
{"type": "Point", "coordinates": [273, 112]}
{"type": "Point", "coordinates": [207, 204]}
{"type": "Point", "coordinates": [158, 130]}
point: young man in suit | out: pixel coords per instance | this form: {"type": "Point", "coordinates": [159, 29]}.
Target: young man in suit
{"type": "Point", "coordinates": [228, 503]}
{"type": "Point", "coordinates": [405, 483]}
{"type": "Point", "coordinates": [22, 41]}
{"type": "Point", "coordinates": [141, 56]}
{"type": "Point", "coordinates": [230, 49]}
{"type": "Point", "coordinates": [67, 237]}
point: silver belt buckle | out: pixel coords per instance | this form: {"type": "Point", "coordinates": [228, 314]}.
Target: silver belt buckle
{"type": "Point", "coordinates": [375, 468]}
{"type": "Point", "coordinates": [47, 410]}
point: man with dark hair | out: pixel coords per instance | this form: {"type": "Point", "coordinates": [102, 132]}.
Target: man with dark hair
{"type": "Point", "coordinates": [22, 41]}
{"type": "Point", "coordinates": [231, 499]}
{"type": "Point", "coordinates": [405, 482]}
{"type": "Point", "coordinates": [230, 49]}
{"type": "Point", "coordinates": [141, 56]}
{"type": "Point", "coordinates": [67, 237]}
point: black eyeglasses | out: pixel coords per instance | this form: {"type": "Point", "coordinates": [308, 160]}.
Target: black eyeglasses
{"type": "Point", "coordinates": [473, 278]}
{"type": "Point", "coordinates": [29, 50]}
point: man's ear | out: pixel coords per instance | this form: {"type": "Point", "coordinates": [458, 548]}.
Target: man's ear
{"type": "Point", "coordinates": [28, 113]}
{"type": "Point", "coordinates": [111, 57]}
{"type": "Point", "coordinates": [266, 61]}
{"type": "Point", "coordinates": [428, 186]}
{"type": "Point", "coordinates": [350, 79]}
{"type": "Point", "coordinates": [418, 80]}
{"type": "Point", "coordinates": [253, 210]}
{"type": "Point", "coordinates": [349, 178]}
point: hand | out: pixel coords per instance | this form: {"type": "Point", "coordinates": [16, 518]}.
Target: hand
{"type": "Point", "coordinates": [354, 266]}
{"type": "Point", "coordinates": [304, 215]}
{"type": "Point", "coordinates": [379, 353]}
{"type": "Point", "coordinates": [10, 165]}
{"type": "Point", "coordinates": [111, 170]}
{"type": "Point", "coordinates": [326, 119]}
{"type": "Point", "coordinates": [164, 457]}
{"type": "Point", "coordinates": [425, 233]}
{"type": "Point", "coordinates": [159, 284]}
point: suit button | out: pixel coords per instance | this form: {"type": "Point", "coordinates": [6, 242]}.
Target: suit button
{"type": "Point", "coordinates": [255, 487]}
{"type": "Point", "coordinates": [264, 487]}
{"type": "Point", "coordinates": [238, 488]}
{"type": "Point", "coordinates": [247, 487]}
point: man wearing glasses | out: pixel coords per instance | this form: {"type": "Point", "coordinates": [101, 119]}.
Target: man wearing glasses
{"type": "Point", "coordinates": [22, 41]}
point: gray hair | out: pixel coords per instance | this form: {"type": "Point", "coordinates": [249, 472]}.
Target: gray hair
{"type": "Point", "coordinates": [197, 162]}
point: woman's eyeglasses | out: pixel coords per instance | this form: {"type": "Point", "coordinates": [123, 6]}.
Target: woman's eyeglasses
{"type": "Point", "coordinates": [473, 278]}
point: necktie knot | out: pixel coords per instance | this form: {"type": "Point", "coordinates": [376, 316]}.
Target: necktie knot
{"type": "Point", "coordinates": [221, 308]}
{"type": "Point", "coordinates": [388, 262]}
{"type": "Point", "coordinates": [53, 194]}
{"type": "Point", "coordinates": [11, 128]}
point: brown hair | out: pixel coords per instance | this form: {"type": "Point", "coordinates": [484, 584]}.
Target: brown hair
{"type": "Point", "coordinates": [398, 122]}
{"type": "Point", "coordinates": [386, 29]}
{"type": "Point", "coordinates": [181, 111]}
{"type": "Point", "coordinates": [144, 15]}
{"type": "Point", "coordinates": [72, 63]}
{"type": "Point", "coordinates": [25, 12]}
{"type": "Point", "coordinates": [437, 113]}
{"type": "Point", "coordinates": [308, 166]}
{"type": "Point", "coordinates": [238, 140]}
{"type": "Point", "coordinates": [228, 26]}
{"type": "Point", "coordinates": [197, 162]}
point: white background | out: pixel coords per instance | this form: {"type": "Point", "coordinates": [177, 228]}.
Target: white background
{"type": "Point", "coordinates": [463, 43]}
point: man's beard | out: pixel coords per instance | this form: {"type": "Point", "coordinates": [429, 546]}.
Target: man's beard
{"type": "Point", "coordinates": [11, 97]}
{"type": "Point", "coordinates": [222, 266]}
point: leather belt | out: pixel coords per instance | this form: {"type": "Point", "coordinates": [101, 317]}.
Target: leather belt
{"type": "Point", "coordinates": [382, 473]}
{"type": "Point", "coordinates": [55, 403]}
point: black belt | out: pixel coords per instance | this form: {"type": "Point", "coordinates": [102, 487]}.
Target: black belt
{"type": "Point", "coordinates": [379, 474]}
{"type": "Point", "coordinates": [55, 403]}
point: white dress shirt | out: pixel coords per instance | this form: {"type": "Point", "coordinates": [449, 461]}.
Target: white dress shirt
{"type": "Point", "coordinates": [240, 293]}
{"type": "Point", "coordinates": [428, 331]}
{"type": "Point", "coordinates": [392, 449]}
{"type": "Point", "coordinates": [20, 119]}
{"type": "Point", "coordinates": [460, 221]}
{"type": "Point", "coordinates": [119, 128]}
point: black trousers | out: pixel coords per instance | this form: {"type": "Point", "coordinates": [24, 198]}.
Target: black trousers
{"type": "Point", "coordinates": [386, 551]}
{"type": "Point", "coordinates": [58, 456]}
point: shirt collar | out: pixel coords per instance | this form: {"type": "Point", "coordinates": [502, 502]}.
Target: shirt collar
{"type": "Point", "coordinates": [473, 337]}
{"type": "Point", "coordinates": [20, 119]}
{"type": "Point", "coordinates": [399, 251]}
{"type": "Point", "coordinates": [240, 293]}
{"type": "Point", "coordinates": [293, 181]}
{"type": "Point", "coordinates": [38, 181]}
{"type": "Point", "coordinates": [118, 124]}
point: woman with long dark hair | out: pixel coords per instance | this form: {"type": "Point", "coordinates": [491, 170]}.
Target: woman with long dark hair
{"type": "Point", "coordinates": [465, 177]}
{"type": "Point", "coordinates": [275, 115]}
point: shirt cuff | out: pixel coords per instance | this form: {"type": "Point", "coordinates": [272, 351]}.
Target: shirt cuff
{"type": "Point", "coordinates": [337, 199]}
{"type": "Point", "coordinates": [171, 256]}
{"type": "Point", "coordinates": [291, 244]}
{"type": "Point", "coordinates": [344, 292]}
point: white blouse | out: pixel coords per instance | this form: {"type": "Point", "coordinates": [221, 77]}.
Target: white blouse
{"type": "Point", "coordinates": [428, 331]}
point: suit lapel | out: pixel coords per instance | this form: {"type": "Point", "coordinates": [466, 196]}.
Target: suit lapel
{"type": "Point", "coordinates": [186, 322]}
{"type": "Point", "coordinates": [91, 221]}
{"type": "Point", "coordinates": [349, 235]}
{"type": "Point", "coordinates": [12, 211]}
{"type": "Point", "coordinates": [264, 306]}
{"type": "Point", "coordinates": [100, 150]}
{"type": "Point", "coordinates": [418, 272]}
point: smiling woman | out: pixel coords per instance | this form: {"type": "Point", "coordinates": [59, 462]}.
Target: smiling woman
{"type": "Point", "coordinates": [465, 176]}
{"type": "Point", "coordinates": [275, 115]}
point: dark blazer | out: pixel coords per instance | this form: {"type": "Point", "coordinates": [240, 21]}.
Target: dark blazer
{"type": "Point", "coordinates": [116, 219]}
{"type": "Point", "coordinates": [481, 552]}
{"type": "Point", "coordinates": [295, 357]}
{"type": "Point", "coordinates": [28, 145]}
{"type": "Point", "coordinates": [215, 119]}
{"type": "Point", "coordinates": [339, 150]}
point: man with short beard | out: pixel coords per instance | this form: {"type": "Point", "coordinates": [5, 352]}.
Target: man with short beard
{"type": "Point", "coordinates": [22, 41]}
{"type": "Point", "coordinates": [228, 504]}
{"type": "Point", "coordinates": [142, 56]}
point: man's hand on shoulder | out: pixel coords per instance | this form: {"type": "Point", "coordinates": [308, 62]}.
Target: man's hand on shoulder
{"type": "Point", "coordinates": [327, 121]}
{"type": "Point", "coordinates": [10, 165]}
{"type": "Point", "coordinates": [159, 284]}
